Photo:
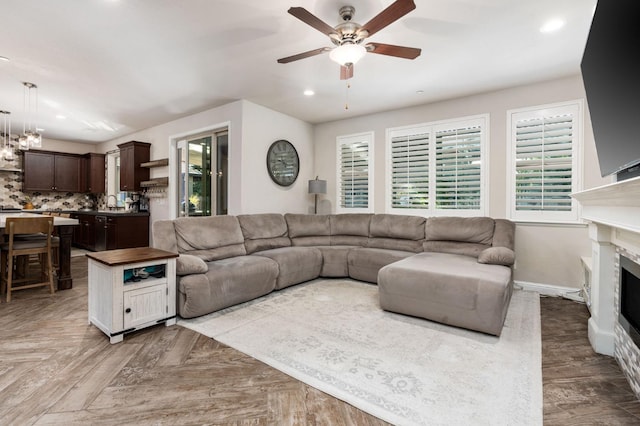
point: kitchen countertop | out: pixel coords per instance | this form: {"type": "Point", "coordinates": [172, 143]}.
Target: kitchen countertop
{"type": "Point", "coordinates": [110, 213]}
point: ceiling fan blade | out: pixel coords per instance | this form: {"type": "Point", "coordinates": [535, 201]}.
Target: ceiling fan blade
{"type": "Point", "coordinates": [303, 55]}
{"type": "Point", "coordinates": [391, 14]}
{"type": "Point", "coordinates": [310, 19]}
{"type": "Point", "coordinates": [346, 72]}
{"type": "Point", "coordinates": [391, 50]}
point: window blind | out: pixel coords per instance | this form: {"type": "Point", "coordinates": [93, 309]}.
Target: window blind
{"type": "Point", "coordinates": [410, 171]}
{"type": "Point", "coordinates": [354, 175]}
{"type": "Point", "coordinates": [458, 168]}
{"type": "Point", "coordinates": [544, 163]}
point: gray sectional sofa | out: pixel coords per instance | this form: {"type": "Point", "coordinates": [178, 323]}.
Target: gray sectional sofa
{"type": "Point", "coordinates": [448, 269]}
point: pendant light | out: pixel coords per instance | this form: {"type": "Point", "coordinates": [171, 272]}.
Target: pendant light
{"type": "Point", "coordinates": [6, 151]}
{"type": "Point", "coordinates": [30, 137]}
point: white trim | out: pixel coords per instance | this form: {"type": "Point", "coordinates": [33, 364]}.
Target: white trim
{"type": "Point", "coordinates": [482, 120]}
{"type": "Point", "coordinates": [573, 216]}
{"type": "Point", "coordinates": [369, 138]}
{"type": "Point", "coordinates": [570, 293]}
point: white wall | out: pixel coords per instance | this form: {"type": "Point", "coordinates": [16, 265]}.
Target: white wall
{"type": "Point", "coordinates": [262, 127]}
{"type": "Point", "coordinates": [252, 129]}
{"type": "Point", "coordinates": [546, 254]}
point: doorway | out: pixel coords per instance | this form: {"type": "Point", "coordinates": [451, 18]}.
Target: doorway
{"type": "Point", "coordinates": [203, 161]}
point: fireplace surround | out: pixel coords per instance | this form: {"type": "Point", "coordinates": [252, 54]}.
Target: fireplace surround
{"type": "Point", "coordinates": [613, 214]}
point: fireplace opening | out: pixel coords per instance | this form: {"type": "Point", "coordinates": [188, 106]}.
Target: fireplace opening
{"type": "Point", "coordinates": [629, 317]}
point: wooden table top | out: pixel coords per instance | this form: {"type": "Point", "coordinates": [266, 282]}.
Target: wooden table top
{"type": "Point", "coordinates": [130, 255]}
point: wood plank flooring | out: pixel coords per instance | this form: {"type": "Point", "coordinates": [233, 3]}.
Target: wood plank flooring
{"type": "Point", "coordinates": [57, 369]}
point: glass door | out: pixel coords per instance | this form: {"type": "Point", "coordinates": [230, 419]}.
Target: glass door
{"type": "Point", "coordinates": [203, 191]}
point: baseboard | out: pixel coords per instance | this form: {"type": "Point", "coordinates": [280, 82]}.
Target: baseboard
{"type": "Point", "coordinates": [570, 293]}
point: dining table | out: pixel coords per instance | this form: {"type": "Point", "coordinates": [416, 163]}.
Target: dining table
{"type": "Point", "coordinates": [63, 228]}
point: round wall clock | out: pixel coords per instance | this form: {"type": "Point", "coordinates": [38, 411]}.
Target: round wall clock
{"type": "Point", "coordinates": [283, 163]}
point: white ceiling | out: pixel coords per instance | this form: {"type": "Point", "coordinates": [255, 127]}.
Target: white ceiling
{"type": "Point", "coordinates": [112, 67]}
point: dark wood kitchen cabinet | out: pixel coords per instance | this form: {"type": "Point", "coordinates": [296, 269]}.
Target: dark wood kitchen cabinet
{"type": "Point", "coordinates": [94, 174]}
{"type": "Point", "coordinates": [51, 171]}
{"type": "Point", "coordinates": [99, 231]}
{"type": "Point", "coordinates": [132, 155]}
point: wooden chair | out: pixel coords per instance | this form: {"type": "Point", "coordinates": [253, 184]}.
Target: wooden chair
{"type": "Point", "coordinates": [14, 246]}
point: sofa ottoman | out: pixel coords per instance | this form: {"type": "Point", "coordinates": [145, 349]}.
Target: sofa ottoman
{"type": "Point", "coordinates": [448, 288]}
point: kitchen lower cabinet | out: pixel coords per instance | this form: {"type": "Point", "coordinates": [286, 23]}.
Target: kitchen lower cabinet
{"type": "Point", "coordinates": [110, 231]}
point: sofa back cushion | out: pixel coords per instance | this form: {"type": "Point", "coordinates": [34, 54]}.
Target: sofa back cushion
{"type": "Point", "coordinates": [164, 235]}
{"type": "Point", "coordinates": [504, 234]}
{"type": "Point", "coordinates": [209, 238]}
{"type": "Point", "coordinates": [459, 235]}
{"type": "Point", "coordinates": [263, 231]}
{"type": "Point", "coordinates": [350, 229]}
{"type": "Point", "coordinates": [397, 232]}
{"type": "Point", "coordinates": [309, 229]}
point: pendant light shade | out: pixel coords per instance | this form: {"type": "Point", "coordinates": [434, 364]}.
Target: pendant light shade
{"type": "Point", "coordinates": [30, 137]}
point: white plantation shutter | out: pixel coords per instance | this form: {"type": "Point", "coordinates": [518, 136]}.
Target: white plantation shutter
{"type": "Point", "coordinates": [458, 168]}
{"type": "Point", "coordinates": [438, 168]}
{"type": "Point", "coordinates": [410, 171]}
{"type": "Point", "coordinates": [354, 173]}
{"type": "Point", "coordinates": [544, 155]}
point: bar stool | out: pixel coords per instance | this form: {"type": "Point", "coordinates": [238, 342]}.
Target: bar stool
{"type": "Point", "coordinates": [14, 246]}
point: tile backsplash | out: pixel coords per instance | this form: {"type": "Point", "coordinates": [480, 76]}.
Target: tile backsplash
{"type": "Point", "coordinates": [11, 195]}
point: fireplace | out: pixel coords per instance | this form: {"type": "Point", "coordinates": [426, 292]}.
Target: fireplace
{"type": "Point", "coordinates": [629, 313]}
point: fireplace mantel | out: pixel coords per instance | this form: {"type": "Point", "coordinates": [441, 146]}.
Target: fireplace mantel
{"type": "Point", "coordinates": [616, 205]}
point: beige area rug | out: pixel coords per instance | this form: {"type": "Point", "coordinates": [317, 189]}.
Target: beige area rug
{"type": "Point", "coordinates": [332, 335]}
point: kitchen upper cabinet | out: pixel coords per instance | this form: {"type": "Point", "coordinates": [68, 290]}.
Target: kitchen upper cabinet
{"type": "Point", "coordinates": [51, 171]}
{"type": "Point", "coordinates": [95, 173]}
{"type": "Point", "coordinates": [132, 155]}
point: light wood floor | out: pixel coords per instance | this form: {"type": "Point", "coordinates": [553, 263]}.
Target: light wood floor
{"type": "Point", "coordinates": [57, 369]}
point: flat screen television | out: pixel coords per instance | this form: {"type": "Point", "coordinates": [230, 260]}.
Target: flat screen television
{"type": "Point", "coordinates": [611, 74]}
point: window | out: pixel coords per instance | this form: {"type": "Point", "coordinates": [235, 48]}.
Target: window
{"type": "Point", "coordinates": [355, 173]}
{"type": "Point", "coordinates": [437, 168]}
{"type": "Point", "coordinates": [544, 149]}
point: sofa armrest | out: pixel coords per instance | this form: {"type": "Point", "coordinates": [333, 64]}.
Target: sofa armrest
{"type": "Point", "coordinates": [187, 264]}
{"type": "Point", "coordinates": [497, 256]}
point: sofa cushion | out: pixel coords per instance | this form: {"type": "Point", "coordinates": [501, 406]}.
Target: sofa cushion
{"type": "Point", "coordinates": [308, 229]}
{"type": "Point", "coordinates": [209, 238]}
{"type": "Point", "coordinates": [295, 264]}
{"type": "Point", "coordinates": [226, 283]}
{"type": "Point", "coordinates": [187, 264]}
{"type": "Point", "coordinates": [455, 247]}
{"type": "Point", "coordinates": [164, 235]}
{"type": "Point", "coordinates": [477, 230]}
{"type": "Point", "coordinates": [263, 231]}
{"type": "Point", "coordinates": [334, 261]}
{"type": "Point", "coordinates": [504, 234]}
{"type": "Point", "coordinates": [396, 232]}
{"type": "Point", "coordinates": [350, 224]}
{"type": "Point", "coordinates": [364, 263]}
{"type": "Point", "coordinates": [451, 289]}
{"type": "Point", "coordinates": [497, 256]}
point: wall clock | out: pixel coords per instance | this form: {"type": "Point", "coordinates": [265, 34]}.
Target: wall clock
{"type": "Point", "coordinates": [283, 163]}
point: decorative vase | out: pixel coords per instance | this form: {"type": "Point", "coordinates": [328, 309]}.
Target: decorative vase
{"type": "Point", "coordinates": [28, 206]}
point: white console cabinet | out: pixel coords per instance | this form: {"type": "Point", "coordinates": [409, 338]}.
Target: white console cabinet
{"type": "Point", "coordinates": [130, 289]}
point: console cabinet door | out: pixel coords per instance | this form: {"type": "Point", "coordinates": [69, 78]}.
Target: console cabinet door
{"type": "Point", "coordinates": [144, 305]}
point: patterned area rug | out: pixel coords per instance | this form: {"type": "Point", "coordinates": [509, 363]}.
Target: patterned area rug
{"type": "Point", "coordinates": [332, 335]}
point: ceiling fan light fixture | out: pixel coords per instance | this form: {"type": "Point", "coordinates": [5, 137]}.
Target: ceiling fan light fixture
{"type": "Point", "coordinates": [347, 53]}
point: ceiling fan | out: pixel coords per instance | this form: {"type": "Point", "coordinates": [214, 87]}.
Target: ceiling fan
{"type": "Point", "coordinates": [349, 36]}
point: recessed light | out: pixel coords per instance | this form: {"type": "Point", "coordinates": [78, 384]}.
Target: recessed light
{"type": "Point", "coordinates": [309, 92]}
{"type": "Point", "coordinates": [61, 117]}
{"type": "Point", "coordinates": [419, 92]}
{"type": "Point", "coordinates": [4, 58]}
{"type": "Point", "coordinates": [552, 25]}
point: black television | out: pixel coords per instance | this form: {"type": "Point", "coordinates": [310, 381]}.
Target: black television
{"type": "Point", "coordinates": [611, 74]}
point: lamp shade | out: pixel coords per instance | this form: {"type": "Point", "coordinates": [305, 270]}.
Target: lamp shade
{"type": "Point", "coordinates": [317, 186]}
{"type": "Point", "coordinates": [347, 53]}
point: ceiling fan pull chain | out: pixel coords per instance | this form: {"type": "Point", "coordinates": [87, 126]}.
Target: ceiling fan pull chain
{"type": "Point", "coordinates": [346, 96]}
